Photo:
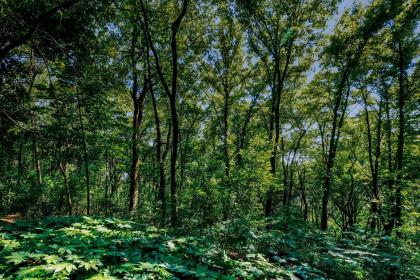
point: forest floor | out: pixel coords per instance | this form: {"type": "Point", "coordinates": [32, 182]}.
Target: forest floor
{"type": "Point", "coordinates": [110, 248]}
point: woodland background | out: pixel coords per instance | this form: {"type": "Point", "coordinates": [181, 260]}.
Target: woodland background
{"type": "Point", "coordinates": [188, 114]}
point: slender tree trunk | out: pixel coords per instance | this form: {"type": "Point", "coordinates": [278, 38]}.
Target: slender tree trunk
{"type": "Point", "coordinates": [291, 183]}
{"type": "Point", "coordinates": [285, 166]}
{"type": "Point", "coordinates": [389, 224]}
{"type": "Point", "coordinates": [107, 179]}
{"type": "Point", "coordinates": [350, 208]}
{"type": "Point", "coordinates": [63, 170]}
{"type": "Point", "coordinates": [325, 195]}
{"type": "Point", "coordinates": [375, 179]}
{"type": "Point", "coordinates": [114, 177]}
{"type": "Point", "coordinates": [172, 95]}
{"type": "Point", "coordinates": [62, 166]}
{"type": "Point", "coordinates": [134, 170]}
{"type": "Point", "coordinates": [184, 151]}
{"type": "Point", "coordinates": [85, 155]}
{"type": "Point", "coordinates": [273, 138]}
{"type": "Point", "coordinates": [160, 160]}
{"type": "Point", "coordinates": [138, 98]}
{"type": "Point", "coordinates": [226, 130]}
{"type": "Point", "coordinates": [275, 121]}
{"type": "Point", "coordinates": [285, 182]}
{"type": "Point", "coordinates": [301, 176]}
{"type": "Point", "coordinates": [138, 103]}
{"type": "Point", "coordinates": [374, 160]}
{"type": "Point", "coordinates": [37, 163]}
{"type": "Point", "coordinates": [20, 163]}
{"type": "Point", "coordinates": [174, 114]}
{"type": "Point", "coordinates": [174, 156]}
{"type": "Point", "coordinates": [335, 132]}
{"type": "Point", "coordinates": [400, 143]}
{"type": "Point", "coordinates": [243, 131]}
{"type": "Point", "coordinates": [226, 207]}
{"type": "Point", "coordinates": [288, 170]}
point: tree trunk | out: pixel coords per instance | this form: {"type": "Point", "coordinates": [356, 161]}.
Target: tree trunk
{"type": "Point", "coordinates": [172, 95]}
{"type": "Point", "coordinates": [174, 115]}
{"type": "Point", "coordinates": [85, 155]}
{"type": "Point", "coordinates": [226, 206]}
{"type": "Point", "coordinates": [325, 195]}
{"type": "Point", "coordinates": [291, 183]}
{"type": "Point", "coordinates": [107, 179]}
{"type": "Point", "coordinates": [375, 178]}
{"type": "Point", "coordinates": [134, 170]}
{"type": "Point", "coordinates": [389, 224]}
{"type": "Point", "coordinates": [37, 163]}
{"type": "Point", "coordinates": [160, 161]}
{"type": "Point", "coordinates": [63, 170]}
{"type": "Point", "coordinates": [280, 76]}
{"type": "Point", "coordinates": [243, 132]}
{"type": "Point", "coordinates": [138, 99]}
{"type": "Point", "coordinates": [374, 160]}
{"type": "Point", "coordinates": [174, 156]}
{"type": "Point", "coordinates": [400, 143]}
{"type": "Point", "coordinates": [336, 126]}
{"type": "Point", "coordinates": [20, 163]}
{"type": "Point", "coordinates": [301, 176]}
{"type": "Point", "coordinates": [335, 134]}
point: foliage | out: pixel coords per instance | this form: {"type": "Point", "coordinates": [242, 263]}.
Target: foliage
{"type": "Point", "coordinates": [243, 125]}
{"type": "Point", "coordinates": [109, 248]}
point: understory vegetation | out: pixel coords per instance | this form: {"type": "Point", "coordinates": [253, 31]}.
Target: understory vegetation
{"type": "Point", "coordinates": [110, 248]}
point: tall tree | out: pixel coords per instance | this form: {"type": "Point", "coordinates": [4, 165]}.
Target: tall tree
{"type": "Point", "coordinates": [138, 97]}
{"type": "Point", "coordinates": [405, 45]}
{"type": "Point", "coordinates": [344, 51]}
{"type": "Point", "coordinates": [171, 93]}
{"type": "Point", "coordinates": [225, 74]}
{"type": "Point", "coordinates": [274, 31]}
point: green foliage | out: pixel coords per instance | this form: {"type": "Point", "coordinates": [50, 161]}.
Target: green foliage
{"type": "Point", "coordinates": [93, 248]}
{"type": "Point", "coordinates": [292, 115]}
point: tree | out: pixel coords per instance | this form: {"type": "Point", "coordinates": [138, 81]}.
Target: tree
{"type": "Point", "coordinates": [274, 31]}
{"type": "Point", "coordinates": [172, 95]}
{"type": "Point", "coordinates": [344, 52]}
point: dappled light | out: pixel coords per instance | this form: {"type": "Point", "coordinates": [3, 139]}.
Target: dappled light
{"type": "Point", "coordinates": [209, 139]}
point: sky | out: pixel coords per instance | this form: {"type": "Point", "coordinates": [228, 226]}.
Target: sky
{"type": "Point", "coordinates": [344, 5]}
{"type": "Point", "coordinates": [331, 23]}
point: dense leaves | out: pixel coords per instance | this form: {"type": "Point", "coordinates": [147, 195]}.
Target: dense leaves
{"type": "Point", "coordinates": [92, 248]}
{"type": "Point", "coordinates": [236, 128]}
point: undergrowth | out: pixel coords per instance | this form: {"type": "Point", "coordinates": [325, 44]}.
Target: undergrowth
{"type": "Point", "coordinates": [110, 248]}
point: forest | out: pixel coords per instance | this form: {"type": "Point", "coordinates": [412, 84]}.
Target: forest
{"type": "Point", "coordinates": [209, 139]}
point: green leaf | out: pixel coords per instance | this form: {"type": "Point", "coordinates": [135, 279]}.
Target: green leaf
{"type": "Point", "coordinates": [101, 276]}
{"type": "Point", "coordinates": [52, 259]}
{"type": "Point", "coordinates": [171, 246]}
{"type": "Point", "coordinates": [17, 257]}
{"type": "Point", "coordinates": [25, 272]}
{"type": "Point", "coordinates": [90, 264]}
{"type": "Point", "coordinates": [64, 266]}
